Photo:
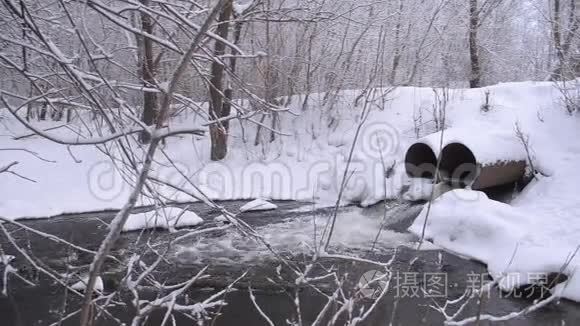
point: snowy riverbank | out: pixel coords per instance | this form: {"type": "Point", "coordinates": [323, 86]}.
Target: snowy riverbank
{"type": "Point", "coordinates": [543, 222]}
{"type": "Point", "coordinates": [307, 165]}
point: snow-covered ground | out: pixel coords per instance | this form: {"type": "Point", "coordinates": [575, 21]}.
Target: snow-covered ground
{"type": "Point", "coordinates": [169, 218]}
{"type": "Point", "coordinates": [534, 234]}
{"type": "Point", "coordinates": [307, 165]}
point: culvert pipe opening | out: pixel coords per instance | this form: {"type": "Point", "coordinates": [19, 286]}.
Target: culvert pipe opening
{"type": "Point", "coordinates": [458, 165]}
{"type": "Point", "coordinates": [420, 161]}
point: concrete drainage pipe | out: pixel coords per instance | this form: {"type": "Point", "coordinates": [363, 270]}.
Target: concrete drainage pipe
{"type": "Point", "coordinates": [420, 161]}
{"type": "Point", "coordinates": [481, 161]}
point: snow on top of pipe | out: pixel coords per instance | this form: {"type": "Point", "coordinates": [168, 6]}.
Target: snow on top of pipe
{"type": "Point", "coordinates": [488, 146]}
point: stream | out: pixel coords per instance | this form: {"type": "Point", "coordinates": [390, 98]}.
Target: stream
{"type": "Point", "coordinates": [291, 230]}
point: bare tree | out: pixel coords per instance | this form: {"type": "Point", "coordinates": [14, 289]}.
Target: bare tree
{"type": "Point", "coordinates": [475, 76]}
{"type": "Point", "coordinates": [564, 37]}
{"type": "Point", "coordinates": [218, 106]}
{"type": "Point", "coordinates": [148, 72]}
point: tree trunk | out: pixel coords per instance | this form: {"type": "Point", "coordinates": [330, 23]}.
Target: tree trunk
{"type": "Point", "coordinates": [42, 115]}
{"type": "Point", "coordinates": [228, 94]}
{"type": "Point", "coordinates": [219, 131]}
{"type": "Point", "coordinates": [148, 74]}
{"type": "Point", "coordinates": [475, 76]}
{"type": "Point", "coordinates": [25, 63]}
{"type": "Point", "coordinates": [563, 39]}
{"type": "Point", "coordinates": [557, 39]}
{"type": "Point", "coordinates": [398, 50]}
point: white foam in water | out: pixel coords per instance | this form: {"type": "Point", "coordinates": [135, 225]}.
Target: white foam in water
{"type": "Point", "coordinates": [354, 232]}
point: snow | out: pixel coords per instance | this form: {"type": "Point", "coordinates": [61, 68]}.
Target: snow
{"type": "Point", "coordinates": [516, 242]}
{"type": "Point", "coordinates": [464, 221]}
{"type": "Point", "coordinates": [488, 146]}
{"type": "Point", "coordinates": [169, 218]}
{"type": "Point", "coordinates": [239, 8]}
{"type": "Point", "coordinates": [419, 189]}
{"type": "Point", "coordinates": [258, 205]}
{"type": "Point", "coordinates": [6, 259]}
{"type": "Point", "coordinates": [220, 218]}
{"type": "Point", "coordinates": [309, 165]}
{"type": "Point", "coordinates": [82, 284]}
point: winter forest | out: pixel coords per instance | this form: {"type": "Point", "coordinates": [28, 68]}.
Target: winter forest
{"type": "Point", "coordinates": [289, 162]}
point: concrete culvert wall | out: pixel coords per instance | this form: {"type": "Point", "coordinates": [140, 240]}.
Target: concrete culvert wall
{"type": "Point", "coordinates": [420, 161]}
{"type": "Point", "coordinates": [458, 165]}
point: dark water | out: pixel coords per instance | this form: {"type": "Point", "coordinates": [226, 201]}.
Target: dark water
{"type": "Point", "coordinates": [227, 258]}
